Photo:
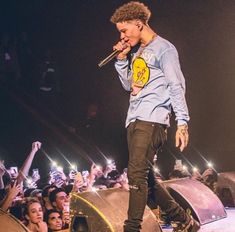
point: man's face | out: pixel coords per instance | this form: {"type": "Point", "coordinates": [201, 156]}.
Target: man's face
{"type": "Point", "coordinates": [129, 32]}
{"type": "Point", "coordinates": [61, 198]}
{"type": "Point", "coordinates": [55, 221]}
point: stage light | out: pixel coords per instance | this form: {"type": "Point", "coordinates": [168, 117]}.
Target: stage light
{"type": "Point", "coordinates": [155, 169]}
{"type": "Point", "coordinates": [54, 164]}
{"type": "Point", "coordinates": [29, 181]}
{"type": "Point", "coordinates": [185, 168]}
{"type": "Point", "coordinates": [210, 165]}
{"type": "Point", "coordinates": [93, 189]}
{"type": "Point", "coordinates": [195, 169]}
{"type": "Point", "coordinates": [60, 169]}
{"type": "Point", "coordinates": [73, 166]}
{"type": "Point", "coordinates": [109, 161]}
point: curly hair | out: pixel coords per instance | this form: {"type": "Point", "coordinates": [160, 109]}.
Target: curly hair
{"type": "Point", "coordinates": [130, 11]}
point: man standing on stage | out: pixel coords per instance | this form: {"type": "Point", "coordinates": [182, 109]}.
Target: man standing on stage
{"type": "Point", "coordinates": [148, 67]}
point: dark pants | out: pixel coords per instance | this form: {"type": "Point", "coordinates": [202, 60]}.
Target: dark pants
{"type": "Point", "coordinates": [144, 141]}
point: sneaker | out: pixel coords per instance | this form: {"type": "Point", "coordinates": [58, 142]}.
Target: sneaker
{"type": "Point", "coordinates": [191, 226]}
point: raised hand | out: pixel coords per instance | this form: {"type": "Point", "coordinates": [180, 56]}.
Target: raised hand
{"type": "Point", "coordinates": [36, 146]}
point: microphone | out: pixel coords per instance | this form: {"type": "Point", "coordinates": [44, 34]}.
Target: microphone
{"type": "Point", "coordinates": [108, 58]}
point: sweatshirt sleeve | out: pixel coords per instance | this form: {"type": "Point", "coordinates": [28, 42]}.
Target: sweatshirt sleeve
{"type": "Point", "coordinates": [169, 63]}
{"type": "Point", "coordinates": [124, 73]}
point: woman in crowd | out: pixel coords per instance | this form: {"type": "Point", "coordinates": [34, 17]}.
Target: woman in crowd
{"type": "Point", "coordinates": [53, 218]}
{"type": "Point", "coordinates": [34, 216]}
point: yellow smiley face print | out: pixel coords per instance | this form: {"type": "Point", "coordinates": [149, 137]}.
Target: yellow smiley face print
{"type": "Point", "coordinates": [141, 72]}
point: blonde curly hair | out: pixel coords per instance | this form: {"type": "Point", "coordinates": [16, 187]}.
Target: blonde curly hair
{"type": "Point", "coordinates": [130, 11]}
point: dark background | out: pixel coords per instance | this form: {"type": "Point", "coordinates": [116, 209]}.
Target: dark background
{"type": "Point", "coordinates": [79, 34]}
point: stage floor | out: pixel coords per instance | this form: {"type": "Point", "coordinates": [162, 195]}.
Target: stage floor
{"type": "Point", "coordinates": [223, 225]}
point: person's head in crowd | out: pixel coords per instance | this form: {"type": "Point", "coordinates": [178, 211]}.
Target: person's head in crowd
{"type": "Point", "coordinates": [96, 171]}
{"type": "Point", "coordinates": [210, 178]}
{"type": "Point", "coordinates": [175, 174]}
{"type": "Point", "coordinates": [58, 198]}
{"type": "Point", "coordinates": [13, 171]}
{"type": "Point", "coordinates": [45, 196]}
{"type": "Point", "coordinates": [28, 191]}
{"type": "Point", "coordinates": [68, 188]}
{"type": "Point", "coordinates": [7, 178]}
{"type": "Point", "coordinates": [53, 218]}
{"type": "Point", "coordinates": [210, 175]}
{"type": "Point", "coordinates": [36, 193]}
{"type": "Point", "coordinates": [33, 214]}
{"type": "Point", "coordinates": [7, 182]}
{"type": "Point", "coordinates": [110, 169]}
{"type": "Point", "coordinates": [179, 171]}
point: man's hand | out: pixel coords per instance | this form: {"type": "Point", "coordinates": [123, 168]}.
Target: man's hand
{"type": "Point", "coordinates": [36, 146]}
{"type": "Point", "coordinates": [14, 190]}
{"type": "Point", "coordinates": [182, 137]}
{"type": "Point", "coordinates": [124, 49]}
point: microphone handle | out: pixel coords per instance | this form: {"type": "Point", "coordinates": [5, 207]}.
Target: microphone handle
{"type": "Point", "coordinates": [108, 58]}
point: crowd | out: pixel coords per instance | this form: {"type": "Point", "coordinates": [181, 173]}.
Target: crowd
{"type": "Point", "coordinates": [209, 176]}
{"type": "Point", "coordinates": [45, 206]}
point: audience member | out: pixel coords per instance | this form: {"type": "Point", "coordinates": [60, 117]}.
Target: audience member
{"type": "Point", "coordinates": [33, 214]}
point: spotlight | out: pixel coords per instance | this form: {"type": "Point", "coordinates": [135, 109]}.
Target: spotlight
{"type": "Point", "coordinates": [109, 161]}
{"type": "Point", "coordinates": [29, 181]}
{"type": "Point", "coordinates": [54, 164]}
{"type": "Point", "coordinates": [93, 189]}
{"type": "Point", "coordinates": [60, 169]}
{"type": "Point", "coordinates": [210, 165]}
{"type": "Point", "coordinates": [195, 169]}
{"type": "Point", "coordinates": [73, 166]}
{"type": "Point", "coordinates": [155, 169]}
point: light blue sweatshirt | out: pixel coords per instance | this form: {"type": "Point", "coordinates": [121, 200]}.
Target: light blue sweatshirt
{"type": "Point", "coordinates": [165, 88]}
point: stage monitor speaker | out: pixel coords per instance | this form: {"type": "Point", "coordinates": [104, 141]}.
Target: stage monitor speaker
{"type": "Point", "coordinates": [197, 199]}
{"type": "Point", "coordinates": [105, 211]}
{"type": "Point", "coordinates": [226, 188]}
{"type": "Point", "coordinates": [10, 224]}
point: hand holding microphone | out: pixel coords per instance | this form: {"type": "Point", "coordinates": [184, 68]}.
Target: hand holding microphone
{"type": "Point", "coordinates": [123, 48]}
{"type": "Point", "coordinates": [120, 50]}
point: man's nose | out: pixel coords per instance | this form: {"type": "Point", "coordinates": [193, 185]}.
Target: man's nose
{"type": "Point", "coordinates": [122, 36]}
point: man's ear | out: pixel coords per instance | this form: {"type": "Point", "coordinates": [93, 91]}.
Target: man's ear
{"type": "Point", "coordinates": [139, 24]}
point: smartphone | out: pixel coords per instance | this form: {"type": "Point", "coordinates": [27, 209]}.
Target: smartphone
{"type": "Point", "coordinates": [14, 170]}
{"type": "Point", "coordinates": [35, 172]}
{"type": "Point", "coordinates": [66, 207]}
{"type": "Point", "coordinates": [57, 177]}
{"type": "Point", "coordinates": [72, 174]}
{"type": "Point", "coordinates": [85, 174]}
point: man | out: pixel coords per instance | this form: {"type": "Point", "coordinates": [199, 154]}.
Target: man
{"type": "Point", "coordinates": [60, 201]}
{"type": "Point", "coordinates": [45, 197]}
{"type": "Point", "coordinates": [148, 67]}
{"type": "Point", "coordinates": [58, 197]}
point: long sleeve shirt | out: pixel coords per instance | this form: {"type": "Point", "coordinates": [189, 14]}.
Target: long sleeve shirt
{"type": "Point", "coordinates": [162, 84]}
